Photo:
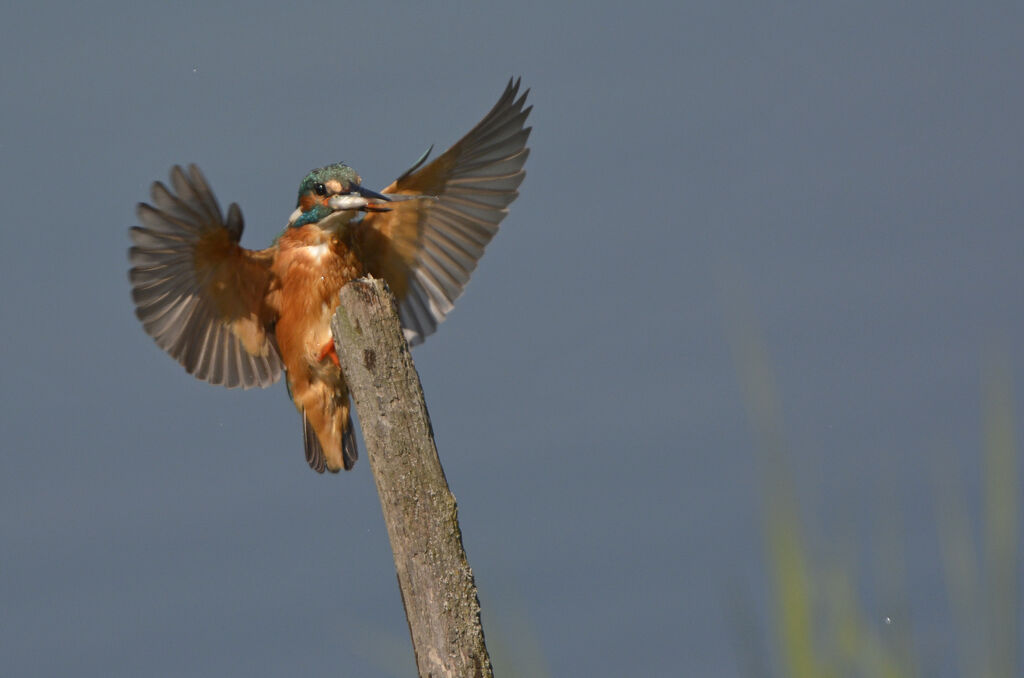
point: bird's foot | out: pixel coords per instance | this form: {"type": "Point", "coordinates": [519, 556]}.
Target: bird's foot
{"type": "Point", "coordinates": [327, 351]}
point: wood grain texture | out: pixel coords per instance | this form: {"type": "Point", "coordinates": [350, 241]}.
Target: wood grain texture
{"type": "Point", "coordinates": [436, 582]}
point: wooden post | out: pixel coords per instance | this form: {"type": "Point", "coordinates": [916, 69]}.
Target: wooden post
{"type": "Point", "coordinates": [436, 582]}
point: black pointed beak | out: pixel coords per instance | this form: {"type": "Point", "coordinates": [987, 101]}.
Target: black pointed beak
{"type": "Point", "coordinates": [367, 193]}
{"type": "Point", "coordinates": [359, 198]}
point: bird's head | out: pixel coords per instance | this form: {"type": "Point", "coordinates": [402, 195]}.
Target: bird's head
{"type": "Point", "coordinates": [330, 190]}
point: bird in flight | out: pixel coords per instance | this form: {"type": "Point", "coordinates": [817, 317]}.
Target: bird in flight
{"type": "Point", "coordinates": [239, 317]}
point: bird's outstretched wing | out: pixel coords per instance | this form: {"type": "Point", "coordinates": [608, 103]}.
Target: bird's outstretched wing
{"type": "Point", "coordinates": [426, 249]}
{"type": "Point", "coordinates": [201, 296]}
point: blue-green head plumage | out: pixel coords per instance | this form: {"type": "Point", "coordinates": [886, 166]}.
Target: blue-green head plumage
{"type": "Point", "coordinates": [317, 187]}
{"type": "Point", "coordinates": [335, 189]}
{"type": "Point", "coordinates": [322, 176]}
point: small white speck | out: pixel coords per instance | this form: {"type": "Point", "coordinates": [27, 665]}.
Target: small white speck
{"type": "Point", "coordinates": [195, 69]}
{"type": "Point", "coordinates": [888, 620]}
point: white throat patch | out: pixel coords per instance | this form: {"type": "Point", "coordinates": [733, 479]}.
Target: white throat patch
{"type": "Point", "coordinates": [318, 252]}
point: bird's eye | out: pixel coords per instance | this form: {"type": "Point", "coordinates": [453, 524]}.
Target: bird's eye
{"type": "Point", "coordinates": [320, 189]}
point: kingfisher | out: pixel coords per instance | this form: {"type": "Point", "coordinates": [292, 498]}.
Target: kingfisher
{"type": "Point", "coordinates": [240, 318]}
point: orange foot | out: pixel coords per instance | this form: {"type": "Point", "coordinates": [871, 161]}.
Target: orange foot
{"type": "Point", "coordinates": [327, 351]}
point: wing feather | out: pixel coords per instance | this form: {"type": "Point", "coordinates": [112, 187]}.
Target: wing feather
{"type": "Point", "coordinates": [427, 249]}
{"type": "Point", "coordinates": [199, 294]}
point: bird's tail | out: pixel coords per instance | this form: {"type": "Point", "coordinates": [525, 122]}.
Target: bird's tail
{"type": "Point", "coordinates": [328, 434]}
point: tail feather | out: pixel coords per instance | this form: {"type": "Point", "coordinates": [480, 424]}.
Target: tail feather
{"type": "Point", "coordinates": [349, 449]}
{"type": "Point", "coordinates": [314, 451]}
{"type": "Point", "coordinates": [334, 447]}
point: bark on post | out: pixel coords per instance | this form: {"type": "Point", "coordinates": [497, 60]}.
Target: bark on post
{"type": "Point", "coordinates": [435, 579]}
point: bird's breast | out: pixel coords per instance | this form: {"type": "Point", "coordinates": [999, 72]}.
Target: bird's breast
{"type": "Point", "coordinates": [312, 272]}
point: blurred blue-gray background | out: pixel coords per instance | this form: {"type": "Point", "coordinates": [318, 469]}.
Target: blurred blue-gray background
{"type": "Point", "coordinates": [846, 177]}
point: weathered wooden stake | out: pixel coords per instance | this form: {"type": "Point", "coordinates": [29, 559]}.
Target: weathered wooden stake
{"type": "Point", "coordinates": [434, 577]}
